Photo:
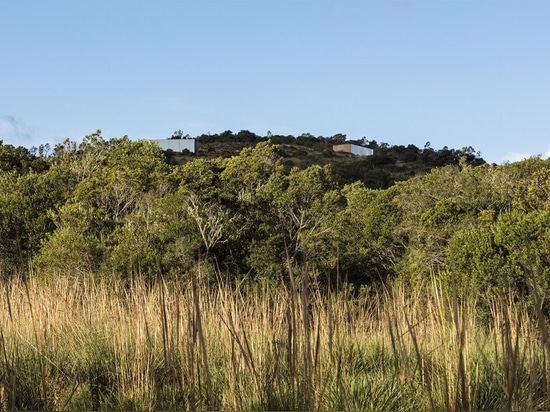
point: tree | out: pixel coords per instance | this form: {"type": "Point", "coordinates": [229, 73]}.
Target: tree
{"type": "Point", "coordinates": [302, 205]}
{"type": "Point", "coordinates": [210, 218]}
{"type": "Point", "coordinates": [113, 174]}
{"type": "Point", "coordinates": [12, 222]}
{"type": "Point", "coordinates": [357, 257]}
{"type": "Point", "coordinates": [75, 247]}
{"type": "Point", "coordinates": [525, 240]}
{"type": "Point", "coordinates": [25, 203]}
{"type": "Point", "coordinates": [245, 174]}
{"type": "Point", "coordinates": [112, 179]}
{"type": "Point", "coordinates": [20, 159]}
{"type": "Point", "coordinates": [338, 138]}
{"type": "Point", "coordinates": [178, 134]}
{"type": "Point", "coordinates": [475, 261]}
{"type": "Point", "coordinates": [137, 246]}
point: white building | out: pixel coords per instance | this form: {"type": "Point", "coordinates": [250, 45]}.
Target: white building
{"type": "Point", "coordinates": [178, 145]}
{"type": "Point", "coordinates": [353, 149]}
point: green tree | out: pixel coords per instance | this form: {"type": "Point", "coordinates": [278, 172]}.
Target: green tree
{"type": "Point", "coordinates": [505, 255]}
{"type": "Point", "coordinates": [75, 247]}
{"type": "Point", "coordinates": [475, 262]}
{"type": "Point", "coordinates": [12, 222]}
{"type": "Point", "coordinates": [382, 242]}
{"type": "Point", "coordinates": [338, 138]}
{"type": "Point", "coordinates": [357, 259]}
{"type": "Point", "coordinates": [112, 179]}
{"type": "Point", "coordinates": [245, 174]}
{"type": "Point", "coordinates": [436, 206]}
{"type": "Point", "coordinates": [302, 205]}
{"type": "Point", "coordinates": [25, 202]}
{"type": "Point", "coordinates": [117, 173]}
{"type": "Point", "coordinates": [525, 238]}
{"type": "Point", "coordinates": [20, 159]}
{"type": "Point", "coordinates": [137, 245]}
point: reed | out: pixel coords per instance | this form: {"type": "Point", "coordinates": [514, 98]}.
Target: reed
{"type": "Point", "coordinates": [86, 343]}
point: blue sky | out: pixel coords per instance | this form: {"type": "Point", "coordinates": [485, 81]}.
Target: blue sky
{"type": "Point", "coordinates": [452, 73]}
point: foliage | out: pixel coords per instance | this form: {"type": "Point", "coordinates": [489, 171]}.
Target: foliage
{"type": "Point", "coordinates": [116, 207]}
{"type": "Point", "coordinates": [23, 160]}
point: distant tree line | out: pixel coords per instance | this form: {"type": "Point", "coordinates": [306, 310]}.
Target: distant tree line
{"type": "Point", "coordinates": [388, 165]}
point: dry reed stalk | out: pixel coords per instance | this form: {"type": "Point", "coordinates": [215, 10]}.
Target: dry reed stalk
{"type": "Point", "coordinates": [460, 326]}
{"type": "Point", "coordinates": [543, 328]}
{"type": "Point", "coordinates": [141, 340]}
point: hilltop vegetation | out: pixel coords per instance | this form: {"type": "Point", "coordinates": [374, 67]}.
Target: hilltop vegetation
{"type": "Point", "coordinates": [388, 164]}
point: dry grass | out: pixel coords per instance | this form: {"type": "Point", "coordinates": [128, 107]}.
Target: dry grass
{"type": "Point", "coordinates": [70, 344]}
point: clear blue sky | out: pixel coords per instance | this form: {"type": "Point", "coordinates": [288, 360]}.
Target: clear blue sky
{"type": "Point", "coordinates": [452, 73]}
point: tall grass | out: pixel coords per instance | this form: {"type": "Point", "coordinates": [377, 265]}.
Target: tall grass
{"type": "Point", "coordinates": [70, 344]}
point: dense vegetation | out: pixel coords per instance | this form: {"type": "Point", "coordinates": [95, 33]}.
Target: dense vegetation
{"type": "Point", "coordinates": [117, 207]}
{"type": "Point", "coordinates": [137, 279]}
{"type": "Point", "coordinates": [89, 344]}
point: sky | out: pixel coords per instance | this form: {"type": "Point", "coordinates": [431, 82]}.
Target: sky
{"type": "Point", "coordinates": [452, 73]}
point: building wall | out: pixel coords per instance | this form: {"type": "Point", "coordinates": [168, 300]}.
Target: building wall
{"type": "Point", "coordinates": [353, 149]}
{"type": "Point", "coordinates": [178, 145]}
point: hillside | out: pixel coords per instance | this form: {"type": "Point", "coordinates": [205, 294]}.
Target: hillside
{"type": "Point", "coordinates": [389, 164]}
